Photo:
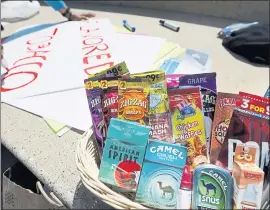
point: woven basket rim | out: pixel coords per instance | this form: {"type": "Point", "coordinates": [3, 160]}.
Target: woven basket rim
{"type": "Point", "coordinates": [92, 183]}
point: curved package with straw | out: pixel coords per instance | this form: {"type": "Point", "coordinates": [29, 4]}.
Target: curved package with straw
{"type": "Point", "coordinates": [94, 97]}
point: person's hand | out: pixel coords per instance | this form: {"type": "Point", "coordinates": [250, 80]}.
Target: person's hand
{"type": "Point", "coordinates": [83, 16]}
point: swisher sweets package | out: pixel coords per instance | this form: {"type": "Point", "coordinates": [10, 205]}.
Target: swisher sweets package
{"type": "Point", "coordinates": [159, 113]}
{"type": "Point", "coordinates": [114, 71]}
{"type": "Point", "coordinates": [188, 122]}
{"type": "Point", "coordinates": [133, 100]}
{"type": "Point", "coordinates": [223, 113]}
{"type": "Point", "coordinates": [249, 124]}
{"type": "Point", "coordinates": [94, 97]}
{"type": "Point", "coordinates": [207, 82]}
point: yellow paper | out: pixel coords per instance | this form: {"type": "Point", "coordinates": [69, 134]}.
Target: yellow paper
{"type": "Point", "coordinates": [56, 127]}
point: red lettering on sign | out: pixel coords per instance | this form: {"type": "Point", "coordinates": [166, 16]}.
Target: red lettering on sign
{"type": "Point", "coordinates": [35, 75]}
{"type": "Point", "coordinates": [93, 43]}
{"type": "Point", "coordinates": [32, 46]}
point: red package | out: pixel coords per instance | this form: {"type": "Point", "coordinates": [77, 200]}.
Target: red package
{"type": "Point", "coordinates": [249, 124]}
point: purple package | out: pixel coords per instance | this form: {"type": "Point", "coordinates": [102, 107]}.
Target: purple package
{"type": "Point", "coordinates": [207, 82]}
{"type": "Point", "coordinates": [94, 96]}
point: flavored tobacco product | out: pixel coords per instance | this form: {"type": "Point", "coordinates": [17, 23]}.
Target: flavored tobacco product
{"type": "Point", "coordinates": [223, 113]}
{"type": "Point", "coordinates": [94, 95]}
{"type": "Point", "coordinates": [115, 71]}
{"type": "Point", "coordinates": [161, 175]}
{"type": "Point", "coordinates": [207, 82]}
{"type": "Point", "coordinates": [249, 124]}
{"type": "Point", "coordinates": [188, 122]}
{"type": "Point", "coordinates": [133, 101]}
{"type": "Point", "coordinates": [161, 127]}
{"type": "Point", "coordinates": [109, 99]}
{"type": "Point", "coordinates": [212, 188]}
{"type": "Point", "coordinates": [248, 178]}
{"type": "Point", "coordinates": [123, 154]}
{"type": "Point", "coordinates": [159, 115]}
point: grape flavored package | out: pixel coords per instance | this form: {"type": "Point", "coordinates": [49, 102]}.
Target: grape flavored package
{"type": "Point", "coordinates": [250, 125]}
{"type": "Point", "coordinates": [114, 71]}
{"type": "Point", "coordinates": [188, 122]}
{"type": "Point", "coordinates": [223, 113]}
{"type": "Point", "coordinates": [207, 82]}
{"type": "Point", "coordinates": [94, 96]}
{"type": "Point", "coordinates": [133, 100]}
{"type": "Point", "coordinates": [159, 115]}
{"type": "Point", "coordinates": [123, 154]}
{"type": "Point", "coordinates": [109, 99]}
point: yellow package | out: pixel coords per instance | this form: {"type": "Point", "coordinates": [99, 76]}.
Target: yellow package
{"type": "Point", "coordinates": [114, 71]}
{"type": "Point", "coordinates": [133, 100]}
{"type": "Point", "coordinates": [158, 91]}
{"type": "Point", "coordinates": [188, 122]}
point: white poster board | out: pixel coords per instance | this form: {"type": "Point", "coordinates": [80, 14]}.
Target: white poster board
{"type": "Point", "coordinates": [48, 80]}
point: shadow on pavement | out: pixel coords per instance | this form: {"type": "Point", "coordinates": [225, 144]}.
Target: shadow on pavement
{"type": "Point", "coordinates": [176, 16]}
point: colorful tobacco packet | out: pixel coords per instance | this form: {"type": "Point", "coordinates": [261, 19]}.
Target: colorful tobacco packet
{"type": "Point", "coordinates": [188, 122]}
{"type": "Point", "coordinates": [94, 97]}
{"type": "Point", "coordinates": [250, 125]}
{"type": "Point", "coordinates": [223, 113]}
{"type": "Point", "coordinates": [133, 100]}
{"type": "Point", "coordinates": [161, 175]}
{"type": "Point", "coordinates": [159, 115]}
{"type": "Point", "coordinates": [114, 71]}
{"type": "Point", "coordinates": [208, 85]}
{"type": "Point", "coordinates": [109, 98]}
{"type": "Point", "coordinates": [123, 154]}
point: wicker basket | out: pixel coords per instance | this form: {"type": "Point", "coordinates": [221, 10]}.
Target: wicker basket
{"type": "Point", "coordinates": [88, 161]}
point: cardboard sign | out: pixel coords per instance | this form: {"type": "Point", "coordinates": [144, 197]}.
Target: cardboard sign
{"type": "Point", "coordinates": [47, 68]}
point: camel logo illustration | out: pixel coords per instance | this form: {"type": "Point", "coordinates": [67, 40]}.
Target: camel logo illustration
{"type": "Point", "coordinates": [166, 189]}
{"type": "Point", "coordinates": [209, 187]}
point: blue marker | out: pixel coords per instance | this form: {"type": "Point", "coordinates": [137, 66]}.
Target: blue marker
{"type": "Point", "coordinates": [129, 27]}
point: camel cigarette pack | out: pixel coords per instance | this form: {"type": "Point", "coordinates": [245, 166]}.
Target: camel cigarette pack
{"type": "Point", "coordinates": [161, 175]}
{"type": "Point", "coordinates": [247, 178]}
{"type": "Point", "coordinates": [123, 154]}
